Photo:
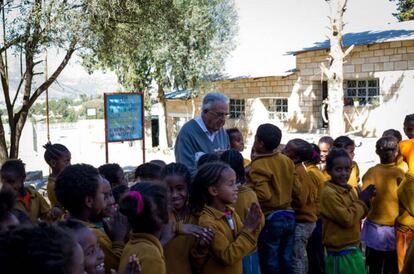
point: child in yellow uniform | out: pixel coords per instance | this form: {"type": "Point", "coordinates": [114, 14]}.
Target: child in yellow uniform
{"type": "Point", "coordinates": [214, 189]}
{"type": "Point", "coordinates": [407, 146]}
{"type": "Point", "coordinates": [81, 190]}
{"type": "Point", "coordinates": [349, 145]}
{"type": "Point", "coordinates": [272, 176]}
{"type": "Point", "coordinates": [28, 200]}
{"type": "Point", "coordinates": [400, 159]}
{"type": "Point", "coordinates": [341, 212]}
{"type": "Point", "coordinates": [325, 145]}
{"type": "Point", "coordinates": [146, 207]}
{"type": "Point", "coordinates": [378, 231]}
{"type": "Point", "coordinates": [184, 253]}
{"type": "Point", "coordinates": [236, 142]}
{"type": "Point", "coordinates": [315, 249]}
{"type": "Point", "coordinates": [300, 151]}
{"type": "Point", "coordinates": [245, 198]}
{"type": "Point", "coordinates": [405, 220]}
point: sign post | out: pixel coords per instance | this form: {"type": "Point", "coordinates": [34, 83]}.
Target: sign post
{"type": "Point", "coordinates": [124, 119]}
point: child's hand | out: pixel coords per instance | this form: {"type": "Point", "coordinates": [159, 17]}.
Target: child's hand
{"type": "Point", "coordinates": [166, 234]}
{"type": "Point", "coordinates": [55, 213]}
{"type": "Point", "coordinates": [367, 193]}
{"type": "Point", "coordinates": [206, 238]}
{"type": "Point", "coordinates": [133, 266]}
{"type": "Point", "coordinates": [118, 226]}
{"type": "Point", "coordinates": [190, 229]}
{"type": "Point", "coordinates": [253, 218]}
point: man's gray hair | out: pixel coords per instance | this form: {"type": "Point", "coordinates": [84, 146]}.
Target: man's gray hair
{"type": "Point", "coordinates": [212, 97]}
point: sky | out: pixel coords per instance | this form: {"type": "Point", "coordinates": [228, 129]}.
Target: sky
{"type": "Point", "coordinates": [268, 29]}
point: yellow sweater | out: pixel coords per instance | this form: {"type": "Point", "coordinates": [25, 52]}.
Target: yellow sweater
{"type": "Point", "coordinates": [149, 252]}
{"type": "Point", "coordinates": [245, 198]}
{"type": "Point", "coordinates": [272, 177]}
{"type": "Point", "coordinates": [38, 206]}
{"type": "Point", "coordinates": [111, 250]}
{"type": "Point", "coordinates": [182, 253]}
{"type": "Point", "coordinates": [51, 191]}
{"type": "Point", "coordinates": [407, 151]}
{"type": "Point", "coordinates": [228, 247]}
{"type": "Point", "coordinates": [319, 179]}
{"type": "Point", "coordinates": [306, 206]}
{"type": "Point", "coordinates": [341, 212]}
{"type": "Point", "coordinates": [405, 220]}
{"type": "Point", "coordinates": [384, 207]}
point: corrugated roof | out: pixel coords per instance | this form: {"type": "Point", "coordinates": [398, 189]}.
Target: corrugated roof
{"type": "Point", "coordinates": [181, 94]}
{"type": "Point", "coordinates": [391, 32]}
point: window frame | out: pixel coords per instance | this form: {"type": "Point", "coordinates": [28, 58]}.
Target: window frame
{"type": "Point", "coordinates": [362, 92]}
{"type": "Point", "coordinates": [237, 108]}
{"type": "Point", "coordinates": [272, 109]}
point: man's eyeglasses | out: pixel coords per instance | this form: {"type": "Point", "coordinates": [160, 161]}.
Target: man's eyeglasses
{"type": "Point", "coordinates": [220, 114]}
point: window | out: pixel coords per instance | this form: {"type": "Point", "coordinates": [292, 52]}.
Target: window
{"type": "Point", "coordinates": [362, 93]}
{"type": "Point", "coordinates": [237, 108]}
{"type": "Point", "coordinates": [278, 108]}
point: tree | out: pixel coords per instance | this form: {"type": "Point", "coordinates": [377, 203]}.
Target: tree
{"type": "Point", "coordinates": [30, 27]}
{"type": "Point", "coordinates": [335, 72]}
{"type": "Point", "coordinates": [405, 9]}
{"type": "Point", "coordinates": [170, 44]}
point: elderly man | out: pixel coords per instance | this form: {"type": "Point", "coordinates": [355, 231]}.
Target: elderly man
{"type": "Point", "coordinates": [205, 133]}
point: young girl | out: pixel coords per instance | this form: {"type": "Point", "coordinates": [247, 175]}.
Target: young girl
{"type": "Point", "coordinates": [29, 201]}
{"type": "Point", "coordinates": [7, 201]}
{"type": "Point", "coordinates": [349, 145]}
{"type": "Point", "coordinates": [183, 252]}
{"type": "Point", "coordinates": [114, 174]}
{"type": "Point", "coordinates": [325, 145]}
{"type": "Point", "coordinates": [146, 207]}
{"type": "Point", "coordinates": [405, 220]}
{"type": "Point", "coordinates": [245, 198]}
{"type": "Point", "coordinates": [315, 249]}
{"type": "Point", "coordinates": [81, 191]}
{"type": "Point", "coordinates": [400, 159]}
{"type": "Point", "coordinates": [341, 212]}
{"type": "Point", "coordinates": [57, 156]}
{"type": "Point", "coordinates": [237, 142]}
{"type": "Point", "coordinates": [378, 231]}
{"type": "Point", "coordinates": [300, 151]}
{"type": "Point", "coordinates": [407, 146]}
{"type": "Point", "coordinates": [214, 188]}
{"type": "Point", "coordinates": [43, 249]}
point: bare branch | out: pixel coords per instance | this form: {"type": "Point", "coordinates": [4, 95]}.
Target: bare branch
{"type": "Point", "coordinates": [348, 51]}
{"type": "Point", "coordinates": [18, 90]}
{"type": "Point", "coordinates": [325, 70]}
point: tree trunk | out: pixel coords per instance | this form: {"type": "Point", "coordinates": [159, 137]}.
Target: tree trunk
{"type": "Point", "coordinates": [335, 71]}
{"type": "Point", "coordinates": [164, 141]}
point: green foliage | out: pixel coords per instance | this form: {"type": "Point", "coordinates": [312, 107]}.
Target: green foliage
{"type": "Point", "coordinates": [175, 44]}
{"type": "Point", "coordinates": [405, 9]}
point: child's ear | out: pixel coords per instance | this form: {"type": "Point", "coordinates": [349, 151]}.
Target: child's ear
{"type": "Point", "coordinates": [89, 201]}
{"type": "Point", "coordinates": [52, 163]}
{"type": "Point", "coordinates": [212, 190]}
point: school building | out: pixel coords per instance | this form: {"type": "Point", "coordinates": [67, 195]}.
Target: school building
{"type": "Point", "coordinates": [378, 88]}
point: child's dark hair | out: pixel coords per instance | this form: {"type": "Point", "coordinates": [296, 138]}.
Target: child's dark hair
{"type": "Point", "coordinates": [110, 172]}
{"type": "Point", "coordinates": [235, 160]}
{"type": "Point", "coordinates": [7, 202]}
{"type": "Point", "coordinates": [327, 140]}
{"type": "Point", "coordinates": [177, 169]}
{"type": "Point", "coordinates": [15, 166]}
{"type": "Point", "coordinates": [409, 118]}
{"type": "Point", "coordinates": [74, 184]}
{"type": "Point", "coordinates": [72, 224]}
{"type": "Point", "coordinates": [303, 149]}
{"type": "Point", "coordinates": [207, 158]}
{"type": "Point", "coordinates": [343, 142]}
{"type": "Point", "coordinates": [270, 135]}
{"type": "Point", "coordinates": [43, 249]}
{"type": "Point", "coordinates": [148, 171]}
{"type": "Point", "coordinates": [54, 151]}
{"type": "Point", "coordinates": [231, 131]}
{"type": "Point", "coordinates": [118, 191]}
{"type": "Point", "coordinates": [316, 155]}
{"type": "Point", "coordinates": [334, 154]}
{"type": "Point", "coordinates": [160, 163]}
{"type": "Point", "coordinates": [387, 144]}
{"type": "Point", "coordinates": [393, 133]}
{"type": "Point", "coordinates": [146, 207]}
{"type": "Point", "coordinates": [208, 175]}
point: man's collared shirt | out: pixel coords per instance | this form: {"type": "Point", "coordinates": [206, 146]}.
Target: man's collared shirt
{"type": "Point", "coordinates": [210, 135]}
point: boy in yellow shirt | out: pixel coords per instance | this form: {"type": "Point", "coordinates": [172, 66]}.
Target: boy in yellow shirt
{"type": "Point", "coordinates": [272, 177]}
{"type": "Point", "coordinates": [407, 146]}
{"type": "Point", "coordinates": [341, 212]}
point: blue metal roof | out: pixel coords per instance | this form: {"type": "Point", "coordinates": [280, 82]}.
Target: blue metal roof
{"type": "Point", "coordinates": [181, 94]}
{"type": "Point", "coordinates": [390, 32]}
